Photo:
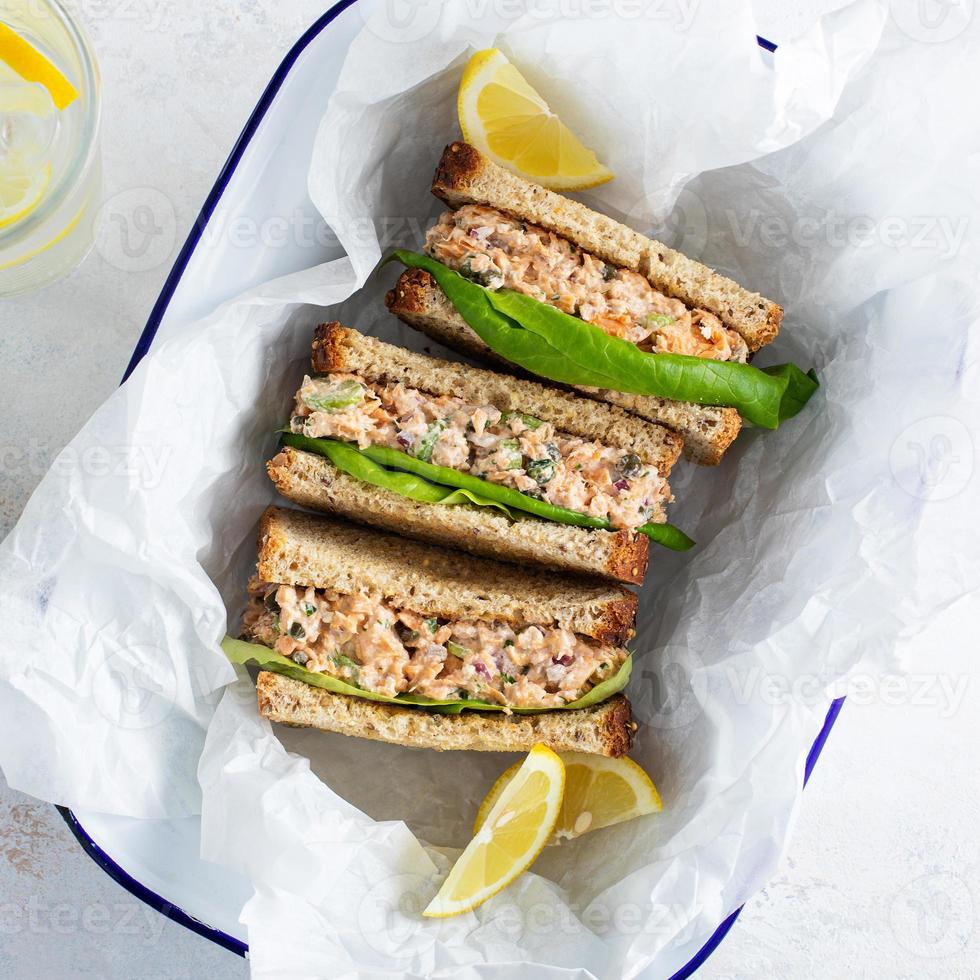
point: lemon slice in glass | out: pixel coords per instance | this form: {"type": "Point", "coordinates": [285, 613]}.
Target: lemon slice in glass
{"type": "Point", "coordinates": [506, 119]}
{"type": "Point", "coordinates": [599, 792]}
{"type": "Point", "coordinates": [511, 836]}
{"type": "Point", "coordinates": [22, 185]}
{"type": "Point", "coordinates": [32, 65]}
{"type": "Point", "coordinates": [20, 96]}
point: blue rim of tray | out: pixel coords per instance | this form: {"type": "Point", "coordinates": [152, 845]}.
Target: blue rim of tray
{"type": "Point", "coordinates": [101, 858]}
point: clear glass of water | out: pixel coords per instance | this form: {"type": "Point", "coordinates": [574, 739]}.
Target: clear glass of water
{"type": "Point", "coordinates": [50, 172]}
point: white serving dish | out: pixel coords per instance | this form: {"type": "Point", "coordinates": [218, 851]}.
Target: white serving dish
{"type": "Point", "coordinates": [264, 177]}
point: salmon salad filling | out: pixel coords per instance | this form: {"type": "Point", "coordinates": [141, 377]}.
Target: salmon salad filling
{"type": "Point", "coordinates": [510, 448]}
{"type": "Point", "coordinates": [362, 640]}
{"type": "Point", "coordinates": [499, 251]}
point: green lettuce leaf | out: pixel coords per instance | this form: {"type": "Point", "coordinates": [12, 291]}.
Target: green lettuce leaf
{"type": "Point", "coordinates": [242, 652]}
{"type": "Point", "coordinates": [548, 342]}
{"type": "Point", "coordinates": [353, 462]}
{"type": "Point", "coordinates": [477, 491]}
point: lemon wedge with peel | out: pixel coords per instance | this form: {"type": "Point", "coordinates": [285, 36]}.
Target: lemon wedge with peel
{"type": "Point", "coordinates": [511, 835]}
{"type": "Point", "coordinates": [505, 118]}
{"type": "Point", "coordinates": [32, 65]}
{"type": "Point", "coordinates": [22, 185]}
{"type": "Point", "coordinates": [599, 792]}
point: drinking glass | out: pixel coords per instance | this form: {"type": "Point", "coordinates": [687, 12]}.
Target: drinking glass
{"type": "Point", "coordinates": [50, 172]}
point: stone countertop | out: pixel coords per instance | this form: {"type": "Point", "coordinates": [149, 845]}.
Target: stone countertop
{"type": "Point", "coordinates": [881, 879]}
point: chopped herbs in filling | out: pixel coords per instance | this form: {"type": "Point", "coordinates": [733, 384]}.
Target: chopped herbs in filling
{"type": "Point", "coordinates": [361, 639]}
{"type": "Point", "coordinates": [509, 448]}
{"type": "Point", "coordinates": [493, 249]}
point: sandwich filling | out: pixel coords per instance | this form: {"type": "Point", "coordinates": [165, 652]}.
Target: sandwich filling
{"type": "Point", "coordinates": [499, 251]}
{"type": "Point", "coordinates": [509, 448]}
{"type": "Point", "coordinates": [363, 640]}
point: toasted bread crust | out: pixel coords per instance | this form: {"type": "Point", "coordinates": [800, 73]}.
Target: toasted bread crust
{"type": "Point", "coordinates": [465, 176]}
{"type": "Point", "coordinates": [417, 300]}
{"type": "Point", "coordinates": [615, 624]}
{"type": "Point", "coordinates": [296, 548]}
{"type": "Point", "coordinates": [331, 342]}
{"type": "Point", "coordinates": [629, 557]}
{"type": "Point", "coordinates": [312, 481]}
{"type": "Point", "coordinates": [338, 348]}
{"type": "Point", "coordinates": [458, 168]}
{"type": "Point", "coordinates": [605, 729]}
{"type": "Point", "coordinates": [707, 431]}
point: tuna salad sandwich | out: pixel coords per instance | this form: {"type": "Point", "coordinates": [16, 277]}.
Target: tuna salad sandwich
{"type": "Point", "coordinates": [495, 465]}
{"type": "Point", "coordinates": [523, 275]}
{"type": "Point", "coordinates": [364, 633]}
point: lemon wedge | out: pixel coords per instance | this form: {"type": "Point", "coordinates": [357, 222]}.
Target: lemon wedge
{"type": "Point", "coordinates": [511, 836]}
{"type": "Point", "coordinates": [22, 185]}
{"type": "Point", "coordinates": [599, 792]}
{"type": "Point", "coordinates": [32, 65]}
{"type": "Point", "coordinates": [505, 118]}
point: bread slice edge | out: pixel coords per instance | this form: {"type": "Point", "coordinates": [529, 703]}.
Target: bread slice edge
{"type": "Point", "coordinates": [314, 482]}
{"type": "Point", "coordinates": [605, 729]}
{"type": "Point", "coordinates": [337, 348]}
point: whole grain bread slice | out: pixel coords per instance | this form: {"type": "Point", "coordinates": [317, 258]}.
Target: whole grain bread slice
{"type": "Point", "coordinates": [707, 431]}
{"type": "Point", "coordinates": [605, 729]}
{"type": "Point", "coordinates": [296, 548]}
{"type": "Point", "coordinates": [312, 481]}
{"type": "Point", "coordinates": [337, 348]}
{"type": "Point", "coordinates": [466, 176]}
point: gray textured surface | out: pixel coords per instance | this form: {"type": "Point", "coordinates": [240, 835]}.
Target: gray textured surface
{"type": "Point", "coordinates": [882, 878]}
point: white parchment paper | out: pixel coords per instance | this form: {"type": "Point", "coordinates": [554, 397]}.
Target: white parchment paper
{"type": "Point", "coordinates": [837, 179]}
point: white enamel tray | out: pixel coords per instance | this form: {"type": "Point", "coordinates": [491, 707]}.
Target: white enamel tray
{"type": "Point", "coordinates": [264, 177]}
